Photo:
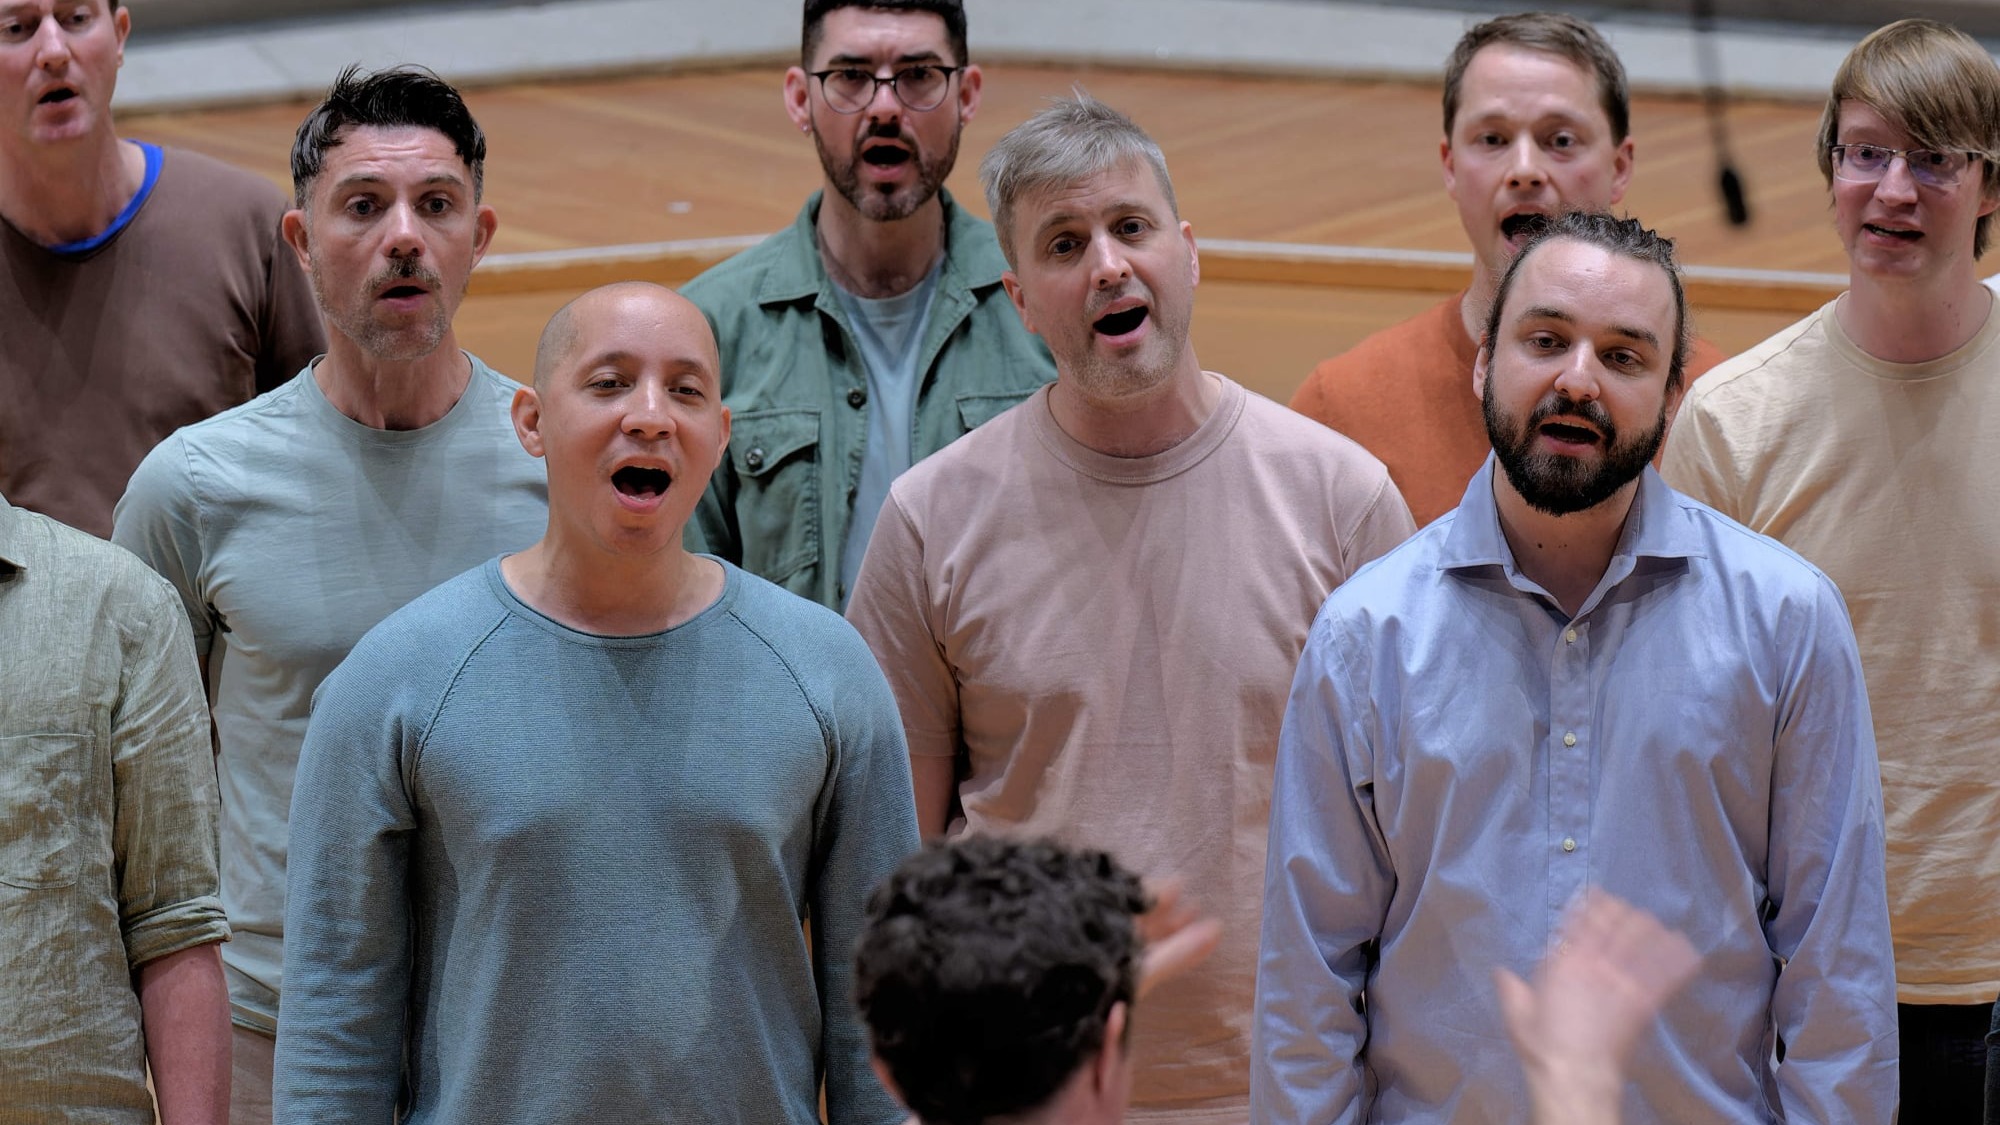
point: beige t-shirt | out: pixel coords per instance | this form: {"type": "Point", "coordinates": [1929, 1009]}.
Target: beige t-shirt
{"type": "Point", "coordinates": [1886, 476]}
{"type": "Point", "coordinates": [1106, 643]}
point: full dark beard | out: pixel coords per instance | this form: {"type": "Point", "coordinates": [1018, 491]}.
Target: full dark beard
{"type": "Point", "coordinates": [1559, 485]}
{"type": "Point", "coordinates": [887, 207]}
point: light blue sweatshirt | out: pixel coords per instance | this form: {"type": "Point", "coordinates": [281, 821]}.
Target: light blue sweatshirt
{"type": "Point", "coordinates": [540, 875]}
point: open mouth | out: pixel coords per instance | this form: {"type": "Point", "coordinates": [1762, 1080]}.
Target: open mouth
{"type": "Point", "coordinates": [1892, 232]}
{"type": "Point", "coordinates": [401, 292]}
{"type": "Point", "coordinates": [886, 156]}
{"type": "Point", "coordinates": [1524, 225]}
{"type": "Point", "coordinates": [633, 480]}
{"type": "Point", "coordinates": [57, 96]}
{"type": "Point", "coordinates": [1573, 435]}
{"type": "Point", "coordinates": [1121, 322]}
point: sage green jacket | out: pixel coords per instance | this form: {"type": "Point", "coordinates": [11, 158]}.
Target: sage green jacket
{"type": "Point", "coordinates": [794, 381]}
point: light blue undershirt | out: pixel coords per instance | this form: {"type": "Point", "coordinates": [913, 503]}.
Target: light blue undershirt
{"type": "Point", "coordinates": [889, 331]}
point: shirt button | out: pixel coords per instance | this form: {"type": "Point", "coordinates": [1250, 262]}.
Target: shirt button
{"type": "Point", "coordinates": [857, 398]}
{"type": "Point", "coordinates": [1569, 739]}
{"type": "Point", "coordinates": [1569, 636]}
{"type": "Point", "coordinates": [1569, 843]}
{"type": "Point", "coordinates": [754, 458]}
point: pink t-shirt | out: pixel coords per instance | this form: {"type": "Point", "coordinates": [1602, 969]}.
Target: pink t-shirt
{"type": "Point", "coordinates": [1107, 643]}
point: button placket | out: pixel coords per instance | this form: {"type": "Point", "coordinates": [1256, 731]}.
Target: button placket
{"type": "Point", "coordinates": [1570, 724]}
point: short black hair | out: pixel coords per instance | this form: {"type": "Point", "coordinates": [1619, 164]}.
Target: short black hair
{"type": "Point", "coordinates": [399, 96]}
{"type": "Point", "coordinates": [988, 971]}
{"type": "Point", "coordinates": [951, 11]}
{"type": "Point", "coordinates": [1628, 238]}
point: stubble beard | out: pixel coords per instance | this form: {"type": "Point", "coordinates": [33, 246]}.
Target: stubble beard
{"type": "Point", "coordinates": [887, 207]}
{"type": "Point", "coordinates": [381, 341]}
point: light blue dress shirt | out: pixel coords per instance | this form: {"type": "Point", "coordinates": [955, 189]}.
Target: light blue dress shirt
{"type": "Point", "coordinates": [1459, 759]}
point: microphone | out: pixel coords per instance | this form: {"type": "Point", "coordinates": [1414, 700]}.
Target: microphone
{"type": "Point", "coordinates": [1708, 56]}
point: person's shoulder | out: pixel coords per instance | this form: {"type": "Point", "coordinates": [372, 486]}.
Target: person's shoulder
{"type": "Point", "coordinates": [424, 633]}
{"type": "Point", "coordinates": [733, 283]}
{"type": "Point", "coordinates": [108, 574]}
{"type": "Point", "coordinates": [1275, 431]}
{"type": "Point", "coordinates": [814, 642]}
{"type": "Point", "coordinates": [986, 454]}
{"type": "Point", "coordinates": [1766, 376]}
{"type": "Point", "coordinates": [1410, 343]}
{"type": "Point", "coordinates": [1740, 554]}
{"type": "Point", "coordinates": [233, 442]}
{"type": "Point", "coordinates": [219, 187]}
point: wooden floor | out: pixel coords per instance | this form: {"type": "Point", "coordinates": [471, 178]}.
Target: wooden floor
{"type": "Point", "coordinates": [696, 155]}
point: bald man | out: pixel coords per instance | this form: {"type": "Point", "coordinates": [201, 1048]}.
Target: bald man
{"type": "Point", "coordinates": [560, 821]}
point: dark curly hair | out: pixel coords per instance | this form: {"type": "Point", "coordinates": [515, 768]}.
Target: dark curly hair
{"type": "Point", "coordinates": [404, 95]}
{"type": "Point", "coordinates": [989, 968]}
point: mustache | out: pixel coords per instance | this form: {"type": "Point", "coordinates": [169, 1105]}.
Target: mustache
{"type": "Point", "coordinates": [405, 269]}
{"type": "Point", "coordinates": [1557, 404]}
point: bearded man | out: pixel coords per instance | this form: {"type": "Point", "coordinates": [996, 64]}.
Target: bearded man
{"type": "Point", "coordinates": [872, 332]}
{"type": "Point", "coordinates": [1578, 679]}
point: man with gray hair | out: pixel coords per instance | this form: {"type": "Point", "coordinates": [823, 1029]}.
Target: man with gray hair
{"type": "Point", "coordinates": [1102, 592]}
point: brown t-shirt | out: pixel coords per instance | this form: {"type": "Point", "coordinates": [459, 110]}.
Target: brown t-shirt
{"type": "Point", "coordinates": [1106, 644]}
{"type": "Point", "coordinates": [1405, 393]}
{"type": "Point", "coordinates": [195, 306]}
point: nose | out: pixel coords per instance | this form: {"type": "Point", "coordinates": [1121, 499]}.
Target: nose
{"type": "Point", "coordinates": [1109, 267]}
{"type": "Point", "coordinates": [1897, 184]}
{"type": "Point", "coordinates": [1524, 164]}
{"type": "Point", "coordinates": [649, 411]}
{"type": "Point", "coordinates": [883, 105]}
{"type": "Point", "coordinates": [405, 232]}
{"type": "Point", "coordinates": [51, 45]}
{"type": "Point", "coordinates": [1578, 379]}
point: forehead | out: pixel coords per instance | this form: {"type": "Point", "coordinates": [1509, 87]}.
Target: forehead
{"type": "Point", "coordinates": [394, 153]}
{"type": "Point", "coordinates": [880, 36]}
{"type": "Point", "coordinates": [1518, 83]}
{"type": "Point", "coordinates": [632, 331]}
{"type": "Point", "coordinates": [1125, 186]}
{"type": "Point", "coordinates": [1859, 119]}
{"type": "Point", "coordinates": [1594, 287]}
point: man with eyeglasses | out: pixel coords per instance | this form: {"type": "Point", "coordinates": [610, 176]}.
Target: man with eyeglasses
{"type": "Point", "coordinates": [1867, 438]}
{"type": "Point", "coordinates": [872, 332]}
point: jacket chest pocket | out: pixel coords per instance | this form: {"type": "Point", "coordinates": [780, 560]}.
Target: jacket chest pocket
{"type": "Point", "coordinates": [41, 788]}
{"type": "Point", "coordinates": [775, 455]}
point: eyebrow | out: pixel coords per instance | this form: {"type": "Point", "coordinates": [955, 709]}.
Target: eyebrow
{"type": "Point", "coordinates": [442, 178]}
{"type": "Point", "coordinates": [1547, 312]}
{"type": "Point", "coordinates": [919, 57]}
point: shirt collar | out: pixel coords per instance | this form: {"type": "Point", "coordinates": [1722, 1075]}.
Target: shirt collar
{"type": "Point", "coordinates": [10, 550]}
{"type": "Point", "coordinates": [970, 260]}
{"type": "Point", "coordinates": [1657, 528]}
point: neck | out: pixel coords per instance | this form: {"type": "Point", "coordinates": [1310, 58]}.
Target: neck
{"type": "Point", "coordinates": [72, 191]}
{"type": "Point", "coordinates": [1913, 320]}
{"type": "Point", "coordinates": [1565, 555]}
{"type": "Point", "coordinates": [614, 595]}
{"type": "Point", "coordinates": [392, 394]}
{"type": "Point", "coordinates": [1139, 425]}
{"type": "Point", "coordinates": [876, 259]}
{"type": "Point", "coordinates": [1478, 300]}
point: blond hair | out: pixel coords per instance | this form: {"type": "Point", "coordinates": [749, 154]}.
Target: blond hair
{"type": "Point", "coordinates": [1934, 83]}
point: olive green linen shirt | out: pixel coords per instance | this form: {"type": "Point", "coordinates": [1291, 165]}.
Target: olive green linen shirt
{"type": "Point", "coordinates": [107, 818]}
{"type": "Point", "coordinates": [796, 384]}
